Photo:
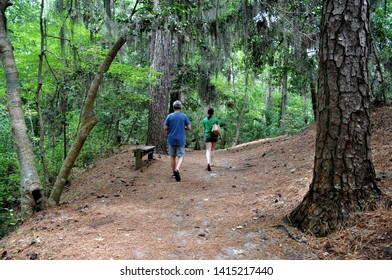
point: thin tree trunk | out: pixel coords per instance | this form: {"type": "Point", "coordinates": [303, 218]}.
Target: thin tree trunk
{"type": "Point", "coordinates": [60, 8]}
{"type": "Point", "coordinates": [268, 95]}
{"type": "Point", "coordinates": [246, 98]}
{"type": "Point", "coordinates": [37, 102]}
{"type": "Point", "coordinates": [283, 102]}
{"type": "Point", "coordinates": [88, 122]}
{"type": "Point", "coordinates": [31, 189]}
{"type": "Point", "coordinates": [108, 19]}
{"type": "Point", "coordinates": [344, 178]}
{"type": "Point", "coordinates": [109, 127]}
{"type": "Point", "coordinates": [131, 129]}
{"type": "Point", "coordinates": [244, 107]}
{"type": "Point", "coordinates": [240, 118]}
{"type": "Point", "coordinates": [380, 97]}
{"type": "Point", "coordinates": [313, 93]}
{"type": "Point", "coordinates": [284, 97]}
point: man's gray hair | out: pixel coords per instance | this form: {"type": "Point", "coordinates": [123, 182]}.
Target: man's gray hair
{"type": "Point", "coordinates": [177, 104]}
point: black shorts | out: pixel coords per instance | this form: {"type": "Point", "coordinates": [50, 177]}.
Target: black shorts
{"type": "Point", "coordinates": [212, 138]}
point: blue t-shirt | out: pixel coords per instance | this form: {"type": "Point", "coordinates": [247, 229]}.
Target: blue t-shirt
{"type": "Point", "coordinates": [176, 123]}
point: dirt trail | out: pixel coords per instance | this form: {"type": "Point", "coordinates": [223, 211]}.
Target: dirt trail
{"type": "Point", "coordinates": [111, 211]}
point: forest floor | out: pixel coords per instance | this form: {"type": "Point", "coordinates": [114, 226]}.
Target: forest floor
{"type": "Point", "coordinates": [111, 211]}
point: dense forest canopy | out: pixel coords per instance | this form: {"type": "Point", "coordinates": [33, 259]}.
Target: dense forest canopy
{"type": "Point", "coordinates": [253, 61]}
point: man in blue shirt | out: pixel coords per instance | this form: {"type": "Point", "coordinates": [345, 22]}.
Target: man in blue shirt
{"type": "Point", "coordinates": [175, 124]}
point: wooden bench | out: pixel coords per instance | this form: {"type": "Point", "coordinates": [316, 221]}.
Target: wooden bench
{"type": "Point", "coordinates": [140, 152]}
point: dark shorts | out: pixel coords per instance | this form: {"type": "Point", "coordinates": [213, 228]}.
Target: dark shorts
{"type": "Point", "coordinates": [212, 138]}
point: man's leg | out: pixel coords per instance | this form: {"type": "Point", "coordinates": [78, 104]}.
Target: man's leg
{"type": "Point", "coordinates": [176, 172]}
{"type": "Point", "coordinates": [172, 154]}
{"type": "Point", "coordinates": [180, 152]}
{"type": "Point", "coordinates": [179, 162]}
{"type": "Point", "coordinates": [173, 163]}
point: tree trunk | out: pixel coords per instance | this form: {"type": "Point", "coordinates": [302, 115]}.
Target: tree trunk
{"type": "Point", "coordinates": [380, 97]}
{"type": "Point", "coordinates": [283, 102]}
{"type": "Point", "coordinates": [240, 118]}
{"type": "Point", "coordinates": [178, 67]}
{"type": "Point", "coordinates": [108, 20]}
{"type": "Point", "coordinates": [313, 93]}
{"type": "Point", "coordinates": [245, 104]}
{"type": "Point", "coordinates": [62, 34]}
{"type": "Point", "coordinates": [37, 102]}
{"type": "Point", "coordinates": [267, 113]}
{"type": "Point", "coordinates": [31, 189]}
{"type": "Point", "coordinates": [344, 176]}
{"type": "Point", "coordinates": [88, 122]}
{"type": "Point", "coordinates": [159, 93]}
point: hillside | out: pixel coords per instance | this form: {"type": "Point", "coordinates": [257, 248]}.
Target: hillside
{"type": "Point", "coordinates": [111, 211]}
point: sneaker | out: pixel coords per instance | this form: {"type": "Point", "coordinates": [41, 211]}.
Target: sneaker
{"type": "Point", "coordinates": [208, 167]}
{"type": "Point", "coordinates": [177, 175]}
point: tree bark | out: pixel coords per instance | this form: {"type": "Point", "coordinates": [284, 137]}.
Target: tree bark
{"type": "Point", "coordinates": [245, 104]}
{"type": "Point", "coordinates": [108, 19]}
{"type": "Point", "coordinates": [313, 94]}
{"type": "Point", "coordinates": [283, 101]}
{"type": "Point", "coordinates": [31, 189]}
{"type": "Point", "coordinates": [37, 102]}
{"type": "Point", "coordinates": [159, 93]}
{"type": "Point", "coordinates": [344, 177]}
{"type": "Point", "coordinates": [244, 108]}
{"type": "Point", "coordinates": [267, 113]}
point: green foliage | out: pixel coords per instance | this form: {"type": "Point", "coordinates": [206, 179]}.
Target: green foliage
{"type": "Point", "coordinates": [299, 113]}
{"type": "Point", "coordinates": [9, 191]}
{"type": "Point", "coordinates": [9, 176]}
{"type": "Point", "coordinates": [5, 130]}
{"type": "Point", "coordinates": [381, 19]}
{"type": "Point", "coordinates": [23, 11]}
{"type": "Point", "coordinates": [258, 123]}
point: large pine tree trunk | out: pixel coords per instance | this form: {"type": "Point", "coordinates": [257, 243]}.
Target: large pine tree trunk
{"type": "Point", "coordinates": [344, 176]}
{"type": "Point", "coordinates": [31, 189]}
{"type": "Point", "coordinates": [159, 93]}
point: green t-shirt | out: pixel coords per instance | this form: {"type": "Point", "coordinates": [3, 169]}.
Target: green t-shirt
{"type": "Point", "coordinates": [207, 124]}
